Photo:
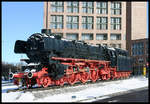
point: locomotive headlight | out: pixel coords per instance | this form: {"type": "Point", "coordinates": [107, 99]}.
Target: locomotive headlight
{"type": "Point", "coordinates": [30, 75]}
{"type": "Point", "coordinates": [11, 75]}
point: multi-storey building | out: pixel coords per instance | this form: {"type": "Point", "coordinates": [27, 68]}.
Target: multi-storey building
{"type": "Point", "coordinates": [140, 52]}
{"type": "Point", "coordinates": [107, 23]}
{"type": "Point", "coordinates": [136, 22]}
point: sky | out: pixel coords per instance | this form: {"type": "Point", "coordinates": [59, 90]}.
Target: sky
{"type": "Point", "coordinates": [19, 21]}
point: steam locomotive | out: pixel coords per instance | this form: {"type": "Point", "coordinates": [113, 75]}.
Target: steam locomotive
{"type": "Point", "coordinates": [53, 60]}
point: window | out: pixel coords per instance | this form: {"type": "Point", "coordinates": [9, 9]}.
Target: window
{"type": "Point", "coordinates": [73, 7]}
{"type": "Point", "coordinates": [102, 7]}
{"type": "Point", "coordinates": [56, 22]}
{"type": "Point", "coordinates": [101, 23]}
{"type": "Point", "coordinates": [101, 36]}
{"type": "Point", "coordinates": [87, 7]}
{"type": "Point", "coordinates": [72, 22]}
{"type": "Point", "coordinates": [115, 23]}
{"type": "Point", "coordinates": [72, 36]}
{"type": "Point", "coordinates": [87, 22]}
{"type": "Point", "coordinates": [115, 8]}
{"type": "Point", "coordinates": [115, 36]}
{"type": "Point", "coordinates": [87, 36]}
{"type": "Point", "coordinates": [133, 49]}
{"type": "Point", "coordinates": [57, 6]}
{"type": "Point", "coordinates": [141, 48]}
{"type": "Point", "coordinates": [138, 48]}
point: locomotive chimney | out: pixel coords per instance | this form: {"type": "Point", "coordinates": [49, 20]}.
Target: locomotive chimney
{"type": "Point", "coordinates": [46, 31]}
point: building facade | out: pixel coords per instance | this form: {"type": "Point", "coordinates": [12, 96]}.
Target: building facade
{"type": "Point", "coordinates": [136, 22]}
{"type": "Point", "coordinates": [107, 23]}
{"type": "Point", "coordinates": [140, 52]}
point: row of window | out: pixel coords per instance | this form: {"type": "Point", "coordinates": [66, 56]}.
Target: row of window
{"type": "Point", "coordinates": [88, 36]}
{"type": "Point", "coordinates": [138, 48]}
{"type": "Point", "coordinates": [87, 22]}
{"type": "Point", "coordinates": [87, 7]}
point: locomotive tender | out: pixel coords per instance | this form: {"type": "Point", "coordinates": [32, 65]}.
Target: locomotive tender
{"type": "Point", "coordinates": [57, 61]}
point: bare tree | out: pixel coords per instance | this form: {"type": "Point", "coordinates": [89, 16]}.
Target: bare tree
{"type": "Point", "coordinates": [6, 67]}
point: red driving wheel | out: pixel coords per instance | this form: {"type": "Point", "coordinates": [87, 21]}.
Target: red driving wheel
{"type": "Point", "coordinates": [72, 79]}
{"type": "Point", "coordinates": [84, 76]}
{"type": "Point", "coordinates": [94, 75]}
{"type": "Point", "coordinates": [45, 81]}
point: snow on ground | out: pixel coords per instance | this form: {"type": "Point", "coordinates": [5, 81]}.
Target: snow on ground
{"type": "Point", "coordinates": [99, 90]}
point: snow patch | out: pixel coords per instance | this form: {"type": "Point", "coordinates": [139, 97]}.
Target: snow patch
{"type": "Point", "coordinates": [81, 93]}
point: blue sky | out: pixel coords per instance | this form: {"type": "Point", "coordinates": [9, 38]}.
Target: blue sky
{"type": "Point", "coordinates": [19, 21]}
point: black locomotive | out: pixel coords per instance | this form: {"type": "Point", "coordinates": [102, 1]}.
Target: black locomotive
{"type": "Point", "coordinates": [41, 47]}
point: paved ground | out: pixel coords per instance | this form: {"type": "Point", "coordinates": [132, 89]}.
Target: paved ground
{"type": "Point", "coordinates": [133, 96]}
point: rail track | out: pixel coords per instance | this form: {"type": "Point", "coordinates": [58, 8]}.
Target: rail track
{"type": "Point", "coordinates": [59, 87]}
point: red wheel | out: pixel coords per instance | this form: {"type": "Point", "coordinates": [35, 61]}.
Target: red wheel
{"type": "Point", "coordinates": [94, 75]}
{"type": "Point", "coordinates": [72, 79]}
{"type": "Point", "coordinates": [84, 77]}
{"type": "Point", "coordinates": [57, 82]}
{"type": "Point", "coordinates": [61, 82]}
{"type": "Point", "coordinates": [45, 81]}
{"type": "Point", "coordinates": [103, 77]}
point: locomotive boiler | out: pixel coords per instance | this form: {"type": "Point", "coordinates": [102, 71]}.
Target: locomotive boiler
{"type": "Point", "coordinates": [56, 61]}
